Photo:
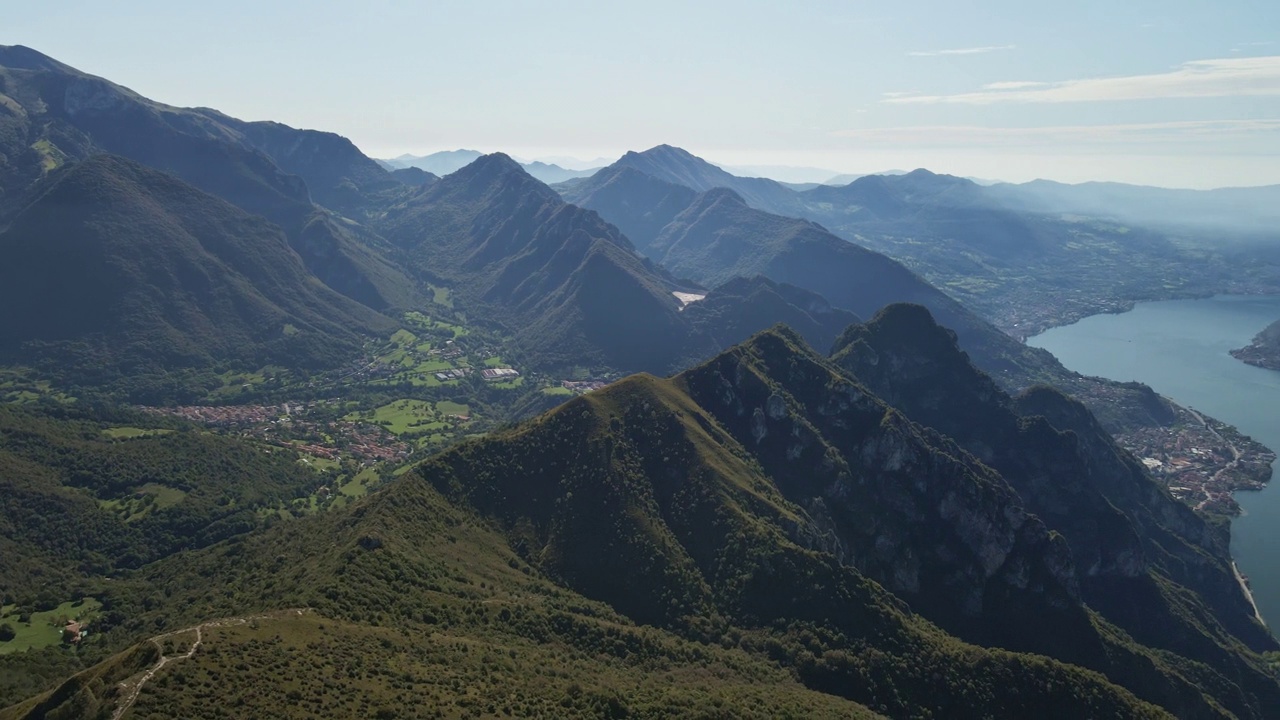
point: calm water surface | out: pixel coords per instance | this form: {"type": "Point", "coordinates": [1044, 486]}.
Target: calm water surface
{"type": "Point", "coordinates": [1179, 347]}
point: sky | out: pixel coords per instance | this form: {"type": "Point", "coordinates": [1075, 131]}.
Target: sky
{"type": "Point", "coordinates": [1172, 93]}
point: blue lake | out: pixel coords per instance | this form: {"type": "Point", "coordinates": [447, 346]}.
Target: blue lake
{"type": "Point", "coordinates": [1180, 348]}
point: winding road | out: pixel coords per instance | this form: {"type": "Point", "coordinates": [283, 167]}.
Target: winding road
{"type": "Point", "coordinates": [133, 686]}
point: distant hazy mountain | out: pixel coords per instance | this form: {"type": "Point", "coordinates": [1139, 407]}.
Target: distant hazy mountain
{"type": "Point", "coordinates": [573, 163]}
{"type": "Point", "coordinates": [135, 272]}
{"type": "Point", "coordinates": [845, 179]}
{"type": "Point", "coordinates": [1247, 210]}
{"type": "Point", "coordinates": [449, 161]}
{"type": "Point", "coordinates": [640, 204]}
{"type": "Point", "coordinates": [680, 167]}
{"type": "Point", "coordinates": [893, 197]}
{"type": "Point", "coordinates": [1024, 268]}
{"type": "Point", "coordinates": [1025, 264]}
{"type": "Point", "coordinates": [787, 174]}
{"type": "Point", "coordinates": [554, 173]}
{"type": "Point", "coordinates": [438, 163]}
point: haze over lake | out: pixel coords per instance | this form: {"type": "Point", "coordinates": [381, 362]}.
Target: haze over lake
{"type": "Point", "coordinates": [1180, 348]}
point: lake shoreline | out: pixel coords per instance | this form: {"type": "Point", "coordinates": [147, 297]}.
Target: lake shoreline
{"type": "Point", "coordinates": [1248, 593]}
{"type": "Point", "coordinates": [1181, 349]}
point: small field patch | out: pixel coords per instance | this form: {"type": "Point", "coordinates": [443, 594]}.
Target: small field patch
{"type": "Point", "coordinates": [44, 629]}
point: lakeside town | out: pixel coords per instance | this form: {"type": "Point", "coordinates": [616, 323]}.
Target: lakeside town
{"type": "Point", "coordinates": [1202, 461]}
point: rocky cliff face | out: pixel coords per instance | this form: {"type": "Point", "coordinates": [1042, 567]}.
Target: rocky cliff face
{"type": "Point", "coordinates": [915, 365]}
{"type": "Point", "coordinates": [1148, 563]}
{"type": "Point", "coordinates": [906, 506]}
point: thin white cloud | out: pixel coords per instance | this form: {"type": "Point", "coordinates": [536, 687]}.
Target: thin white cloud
{"type": "Point", "coordinates": [1222, 77]}
{"type": "Point", "coordinates": [962, 51]}
{"type": "Point", "coordinates": [1010, 85]}
{"type": "Point", "coordinates": [1183, 133]}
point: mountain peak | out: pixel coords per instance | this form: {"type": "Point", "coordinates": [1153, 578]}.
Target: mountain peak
{"type": "Point", "coordinates": [670, 150]}
{"type": "Point", "coordinates": [908, 317]}
{"type": "Point", "coordinates": [681, 167]}
{"type": "Point", "coordinates": [669, 155]}
{"type": "Point", "coordinates": [903, 325]}
{"type": "Point", "coordinates": [495, 162]}
{"type": "Point", "coordinates": [922, 178]}
{"type": "Point", "coordinates": [496, 169]}
{"type": "Point", "coordinates": [21, 57]}
{"type": "Point", "coordinates": [777, 343]}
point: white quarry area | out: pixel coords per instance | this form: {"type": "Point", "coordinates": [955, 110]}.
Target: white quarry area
{"type": "Point", "coordinates": [686, 298]}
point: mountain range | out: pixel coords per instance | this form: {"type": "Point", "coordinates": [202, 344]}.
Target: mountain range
{"type": "Point", "coordinates": [449, 161]}
{"type": "Point", "coordinates": [765, 505]}
{"type": "Point", "coordinates": [1024, 257]}
{"type": "Point", "coordinates": [1245, 211]}
{"type": "Point", "coordinates": [568, 286]}
{"type": "Point", "coordinates": [715, 234]}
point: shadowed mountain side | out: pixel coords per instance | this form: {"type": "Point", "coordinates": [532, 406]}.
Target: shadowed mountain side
{"type": "Point", "coordinates": [565, 283]}
{"type": "Point", "coordinates": [51, 114]}
{"type": "Point", "coordinates": [640, 205]}
{"type": "Point", "coordinates": [338, 175]}
{"type": "Point", "coordinates": [741, 307]}
{"type": "Point", "coordinates": [135, 271]}
{"type": "Point", "coordinates": [1138, 549]}
{"type": "Point", "coordinates": [414, 177]}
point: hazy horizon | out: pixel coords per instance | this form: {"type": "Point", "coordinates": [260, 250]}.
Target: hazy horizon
{"type": "Point", "coordinates": [780, 170]}
{"type": "Point", "coordinates": [1142, 93]}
